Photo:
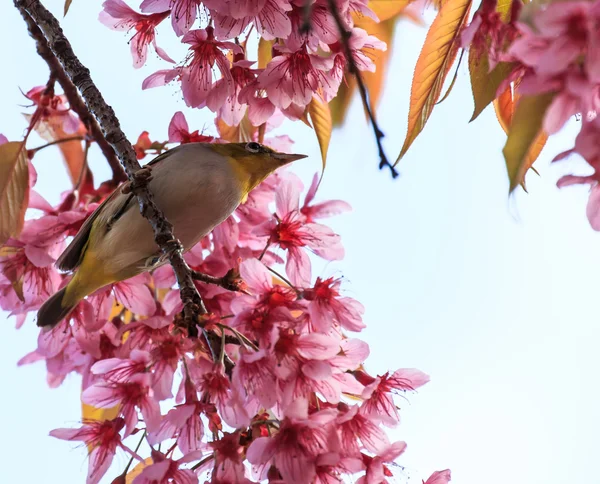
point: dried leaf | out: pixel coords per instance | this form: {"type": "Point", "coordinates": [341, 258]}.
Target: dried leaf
{"type": "Point", "coordinates": [454, 77]}
{"type": "Point", "coordinates": [386, 9]}
{"type": "Point", "coordinates": [523, 134]}
{"type": "Point", "coordinates": [435, 60]}
{"type": "Point", "coordinates": [67, 5]}
{"type": "Point", "coordinates": [320, 115]}
{"type": "Point", "coordinates": [14, 188]}
{"type": "Point", "coordinates": [137, 470]}
{"type": "Point", "coordinates": [265, 52]}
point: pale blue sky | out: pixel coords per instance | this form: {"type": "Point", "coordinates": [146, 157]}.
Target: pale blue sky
{"type": "Point", "coordinates": [494, 298]}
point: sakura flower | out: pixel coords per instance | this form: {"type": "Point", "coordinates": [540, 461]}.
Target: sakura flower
{"type": "Point", "coordinates": [379, 404]}
{"type": "Point", "coordinates": [353, 426]}
{"type": "Point", "coordinates": [135, 295]}
{"type": "Point", "coordinates": [323, 209]}
{"type": "Point", "coordinates": [53, 110]}
{"type": "Point", "coordinates": [439, 477]}
{"type": "Point", "coordinates": [102, 439]}
{"type": "Point", "coordinates": [269, 17]}
{"type": "Point", "coordinates": [223, 98]}
{"type": "Point", "coordinates": [183, 12]}
{"type": "Point", "coordinates": [322, 27]}
{"type": "Point", "coordinates": [179, 132]}
{"type": "Point", "coordinates": [121, 370]}
{"type": "Point", "coordinates": [293, 77]}
{"type": "Point", "coordinates": [254, 373]}
{"type": "Point", "coordinates": [326, 307]}
{"type": "Point", "coordinates": [133, 393]}
{"type": "Point", "coordinates": [183, 423]}
{"type": "Point", "coordinates": [164, 470]}
{"type": "Point", "coordinates": [361, 44]}
{"type": "Point", "coordinates": [376, 470]}
{"type": "Point", "coordinates": [292, 234]}
{"type": "Point", "coordinates": [197, 76]}
{"type": "Point", "coordinates": [228, 458]}
{"type": "Point", "coordinates": [301, 438]}
{"type": "Point", "coordinates": [117, 15]}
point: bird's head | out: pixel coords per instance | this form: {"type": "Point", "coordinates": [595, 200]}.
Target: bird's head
{"type": "Point", "coordinates": [253, 162]}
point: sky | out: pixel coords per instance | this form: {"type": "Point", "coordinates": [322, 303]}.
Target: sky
{"type": "Point", "coordinates": [494, 297]}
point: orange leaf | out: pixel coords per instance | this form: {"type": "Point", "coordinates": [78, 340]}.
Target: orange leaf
{"type": "Point", "coordinates": [505, 107]}
{"type": "Point", "coordinates": [525, 135]}
{"type": "Point", "coordinates": [72, 151]}
{"type": "Point", "coordinates": [137, 470]}
{"type": "Point", "coordinates": [320, 116]}
{"type": "Point", "coordinates": [14, 188]}
{"type": "Point", "coordinates": [241, 133]}
{"type": "Point", "coordinates": [67, 5]}
{"type": "Point", "coordinates": [435, 60]}
{"type": "Point", "coordinates": [386, 9]}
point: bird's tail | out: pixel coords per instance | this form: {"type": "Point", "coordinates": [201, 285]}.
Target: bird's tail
{"type": "Point", "coordinates": [54, 310]}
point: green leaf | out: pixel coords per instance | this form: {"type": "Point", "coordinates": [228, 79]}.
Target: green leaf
{"type": "Point", "coordinates": [523, 132]}
{"type": "Point", "coordinates": [485, 84]}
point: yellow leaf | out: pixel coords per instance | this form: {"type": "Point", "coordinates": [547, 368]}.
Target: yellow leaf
{"type": "Point", "coordinates": [137, 470]}
{"type": "Point", "coordinates": [523, 133]}
{"type": "Point", "coordinates": [67, 5]}
{"type": "Point", "coordinates": [320, 115]}
{"type": "Point", "coordinates": [265, 53]}
{"type": "Point", "coordinates": [14, 188]}
{"type": "Point", "coordinates": [435, 60]}
{"type": "Point", "coordinates": [241, 133]}
{"type": "Point", "coordinates": [89, 412]}
{"type": "Point", "coordinates": [386, 9]}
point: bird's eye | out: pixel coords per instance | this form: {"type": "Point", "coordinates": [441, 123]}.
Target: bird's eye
{"type": "Point", "coordinates": [253, 147]}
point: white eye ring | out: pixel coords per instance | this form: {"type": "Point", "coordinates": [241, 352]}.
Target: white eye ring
{"type": "Point", "coordinates": [253, 147]}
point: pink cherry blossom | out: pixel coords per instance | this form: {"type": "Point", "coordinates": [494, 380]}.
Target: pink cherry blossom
{"type": "Point", "coordinates": [135, 392]}
{"type": "Point", "coordinates": [164, 470]}
{"type": "Point", "coordinates": [269, 17]}
{"type": "Point", "coordinates": [179, 132]}
{"type": "Point", "coordinates": [322, 209]}
{"type": "Point", "coordinates": [294, 76]}
{"type": "Point", "coordinates": [183, 12]}
{"type": "Point", "coordinates": [376, 470]}
{"type": "Point", "coordinates": [197, 75]}
{"type": "Point", "coordinates": [102, 439]}
{"type": "Point", "coordinates": [117, 15]}
{"type": "Point", "coordinates": [439, 477]}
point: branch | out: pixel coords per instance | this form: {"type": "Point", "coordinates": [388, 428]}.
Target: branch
{"type": "Point", "coordinates": [75, 101]}
{"type": "Point", "coordinates": [163, 230]}
{"type": "Point", "coordinates": [230, 281]}
{"type": "Point", "coordinates": [353, 69]}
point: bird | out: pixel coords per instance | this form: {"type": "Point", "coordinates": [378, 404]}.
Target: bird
{"type": "Point", "coordinates": [196, 185]}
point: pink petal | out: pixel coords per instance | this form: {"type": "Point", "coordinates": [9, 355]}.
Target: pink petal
{"type": "Point", "coordinates": [256, 275]}
{"type": "Point", "coordinates": [298, 267]}
{"type": "Point", "coordinates": [439, 477]}
{"type": "Point", "coordinates": [593, 208]}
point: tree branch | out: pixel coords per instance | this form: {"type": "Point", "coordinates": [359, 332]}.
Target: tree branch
{"type": "Point", "coordinates": [108, 122]}
{"type": "Point", "coordinates": [75, 101]}
{"type": "Point", "coordinates": [353, 69]}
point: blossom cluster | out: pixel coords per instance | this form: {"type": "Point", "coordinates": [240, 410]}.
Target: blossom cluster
{"type": "Point", "coordinates": [286, 397]}
{"type": "Point", "coordinates": [554, 50]}
{"type": "Point", "coordinates": [305, 57]}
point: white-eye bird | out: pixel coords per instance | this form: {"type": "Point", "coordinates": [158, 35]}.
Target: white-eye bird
{"type": "Point", "coordinates": [196, 185]}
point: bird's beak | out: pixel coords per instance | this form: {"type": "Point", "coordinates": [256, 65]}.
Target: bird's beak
{"type": "Point", "coordinates": [285, 158]}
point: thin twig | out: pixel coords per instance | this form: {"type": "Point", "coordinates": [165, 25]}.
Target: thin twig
{"type": "Point", "coordinates": [137, 447]}
{"type": "Point", "coordinates": [138, 177]}
{"type": "Point", "coordinates": [230, 281]}
{"type": "Point", "coordinates": [70, 91]}
{"type": "Point", "coordinates": [353, 69]}
{"type": "Point", "coordinates": [56, 142]}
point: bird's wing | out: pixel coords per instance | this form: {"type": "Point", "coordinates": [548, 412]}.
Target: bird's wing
{"type": "Point", "coordinates": [73, 254]}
